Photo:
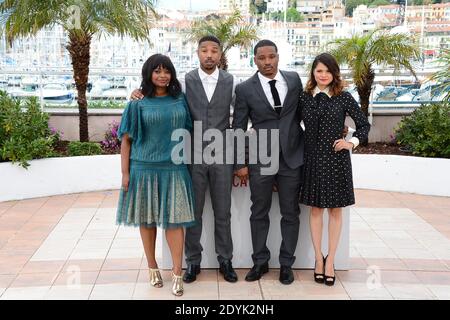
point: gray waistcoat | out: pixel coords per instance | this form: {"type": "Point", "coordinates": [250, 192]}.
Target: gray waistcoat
{"type": "Point", "coordinates": [214, 114]}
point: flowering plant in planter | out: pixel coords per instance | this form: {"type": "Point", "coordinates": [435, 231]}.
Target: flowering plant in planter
{"type": "Point", "coordinates": [111, 143]}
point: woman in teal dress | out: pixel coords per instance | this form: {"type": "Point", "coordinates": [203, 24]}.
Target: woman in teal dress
{"type": "Point", "coordinates": [156, 192]}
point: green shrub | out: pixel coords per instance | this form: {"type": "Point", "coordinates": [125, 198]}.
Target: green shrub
{"type": "Point", "coordinates": [76, 149]}
{"type": "Point", "coordinates": [427, 131]}
{"type": "Point", "coordinates": [107, 104]}
{"type": "Point", "coordinates": [24, 131]}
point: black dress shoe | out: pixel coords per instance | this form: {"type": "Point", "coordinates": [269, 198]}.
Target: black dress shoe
{"type": "Point", "coordinates": [226, 268]}
{"type": "Point", "coordinates": [191, 273]}
{"type": "Point", "coordinates": [257, 271]}
{"type": "Point", "coordinates": [286, 275]}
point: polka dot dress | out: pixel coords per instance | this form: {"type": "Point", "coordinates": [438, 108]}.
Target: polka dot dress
{"type": "Point", "coordinates": [328, 179]}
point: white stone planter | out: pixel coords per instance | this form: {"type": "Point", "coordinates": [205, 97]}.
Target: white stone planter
{"type": "Point", "coordinates": [56, 176]}
{"type": "Point", "coordinates": [427, 176]}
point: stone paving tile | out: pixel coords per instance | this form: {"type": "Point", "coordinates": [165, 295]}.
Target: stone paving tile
{"type": "Point", "coordinates": [433, 278]}
{"type": "Point", "coordinates": [441, 292]}
{"type": "Point", "coordinates": [68, 247]}
{"type": "Point", "coordinates": [25, 293]}
{"type": "Point", "coordinates": [409, 291]}
{"type": "Point", "coordinates": [81, 292]}
{"type": "Point", "coordinates": [115, 291]}
{"type": "Point", "coordinates": [386, 264]}
{"type": "Point", "coordinates": [357, 290]}
{"type": "Point", "coordinates": [75, 279]}
{"type": "Point", "coordinates": [111, 277]}
{"type": "Point", "coordinates": [34, 280]}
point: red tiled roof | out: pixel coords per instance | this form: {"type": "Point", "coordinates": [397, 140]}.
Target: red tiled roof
{"type": "Point", "coordinates": [389, 6]}
{"type": "Point", "coordinates": [438, 22]}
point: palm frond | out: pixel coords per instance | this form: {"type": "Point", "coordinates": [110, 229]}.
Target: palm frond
{"type": "Point", "coordinates": [122, 17]}
{"type": "Point", "coordinates": [26, 18]}
{"type": "Point", "coordinates": [396, 50]}
{"type": "Point", "coordinates": [442, 77]}
{"type": "Point", "coordinates": [231, 31]}
{"type": "Point", "coordinates": [352, 51]}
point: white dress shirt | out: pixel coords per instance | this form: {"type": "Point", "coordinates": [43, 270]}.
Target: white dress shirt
{"type": "Point", "coordinates": [209, 82]}
{"type": "Point", "coordinates": [353, 140]}
{"type": "Point", "coordinates": [281, 86]}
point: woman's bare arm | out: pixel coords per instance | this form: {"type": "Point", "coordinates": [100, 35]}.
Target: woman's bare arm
{"type": "Point", "coordinates": [125, 149]}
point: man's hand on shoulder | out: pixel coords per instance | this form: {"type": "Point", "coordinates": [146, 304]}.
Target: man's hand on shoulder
{"type": "Point", "coordinates": [137, 95]}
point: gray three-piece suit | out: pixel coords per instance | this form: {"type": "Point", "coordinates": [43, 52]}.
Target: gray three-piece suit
{"type": "Point", "coordinates": [219, 177]}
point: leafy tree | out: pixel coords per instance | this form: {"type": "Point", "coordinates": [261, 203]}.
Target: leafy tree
{"type": "Point", "coordinates": [361, 53]}
{"type": "Point", "coordinates": [231, 31]}
{"type": "Point", "coordinates": [82, 20]}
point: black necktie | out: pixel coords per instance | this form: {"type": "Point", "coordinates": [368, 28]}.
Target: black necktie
{"type": "Point", "coordinates": [276, 96]}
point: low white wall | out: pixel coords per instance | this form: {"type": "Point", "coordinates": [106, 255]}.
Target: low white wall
{"type": "Point", "coordinates": [56, 176]}
{"type": "Point", "coordinates": [242, 239]}
{"type": "Point", "coordinates": [427, 176]}
{"type": "Point", "coordinates": [46, 177]}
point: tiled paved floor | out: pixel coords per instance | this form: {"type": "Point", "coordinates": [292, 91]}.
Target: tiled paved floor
{"type": "Point", "coordinates": [68, 247]}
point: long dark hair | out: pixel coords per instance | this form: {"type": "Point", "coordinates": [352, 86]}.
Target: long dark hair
{"type": "Point", "coordinates": [337, 85]}
{"type": "Point", "coordinates": [154, 62]}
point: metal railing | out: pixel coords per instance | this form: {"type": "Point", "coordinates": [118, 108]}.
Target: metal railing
{"type": "Point", "coordinates": [112, 84]}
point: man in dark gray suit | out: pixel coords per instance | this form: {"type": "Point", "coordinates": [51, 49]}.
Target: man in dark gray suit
{"type": "Point", "coordinates": [269, 100]}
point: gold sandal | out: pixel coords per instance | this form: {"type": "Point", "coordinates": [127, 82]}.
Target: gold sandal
{"type": "Point", "coordinates": [155, 278]}
{"type": "Point", "coordinates": [177, 285]}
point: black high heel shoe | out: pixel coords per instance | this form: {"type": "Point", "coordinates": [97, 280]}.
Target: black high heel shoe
{"type": "Point", "coordinates": [329, 280]}
{"type": "Point", "coordinates": [319, 277]}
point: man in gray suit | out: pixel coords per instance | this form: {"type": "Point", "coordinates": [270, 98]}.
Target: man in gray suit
{"type": "Point", "coordinates": [209, 93]}
{"type": "Point", "coordinates": [269, 99]}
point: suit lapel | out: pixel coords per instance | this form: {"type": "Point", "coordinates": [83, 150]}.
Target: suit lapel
{"type": "Point", "coordinates": [261, 93]}
{"type": "Point", "coordinates": [289, 91]}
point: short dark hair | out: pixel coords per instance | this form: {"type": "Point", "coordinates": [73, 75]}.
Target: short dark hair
{"type": "Point", "coordinates": [264, 43]}
{"type": "Point", "coordinates": [154, 62]}
{"type": "Point", "coordinates": [209, 38]}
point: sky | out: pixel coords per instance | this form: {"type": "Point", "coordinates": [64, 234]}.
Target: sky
{"type": "Point", "coordinates": [184, 4]}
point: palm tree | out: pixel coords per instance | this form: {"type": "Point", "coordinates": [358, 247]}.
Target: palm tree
{"type": "Point", "coordinates": [82, 20]}
{"type": "Point", "coordinates": [443, 76]}
{"type": "Point", "coordinates": [361, 53]}
{"type": "Point", "coordinates": [231, 31]}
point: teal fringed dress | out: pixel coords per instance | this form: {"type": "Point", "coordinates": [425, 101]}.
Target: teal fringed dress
{"type": "Point", "coordinates": [160, 192]}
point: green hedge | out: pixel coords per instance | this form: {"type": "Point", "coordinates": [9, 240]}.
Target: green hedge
{"type": "Point", "coordinates": [24, 133]}
{"type": "Point", "coordinates": [76, 149]}
{"type": "Point", "coordinates": [427, 130]}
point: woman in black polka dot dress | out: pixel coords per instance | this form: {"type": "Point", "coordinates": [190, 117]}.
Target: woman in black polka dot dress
{"type": "Point", "coordinates": [328, 171]}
